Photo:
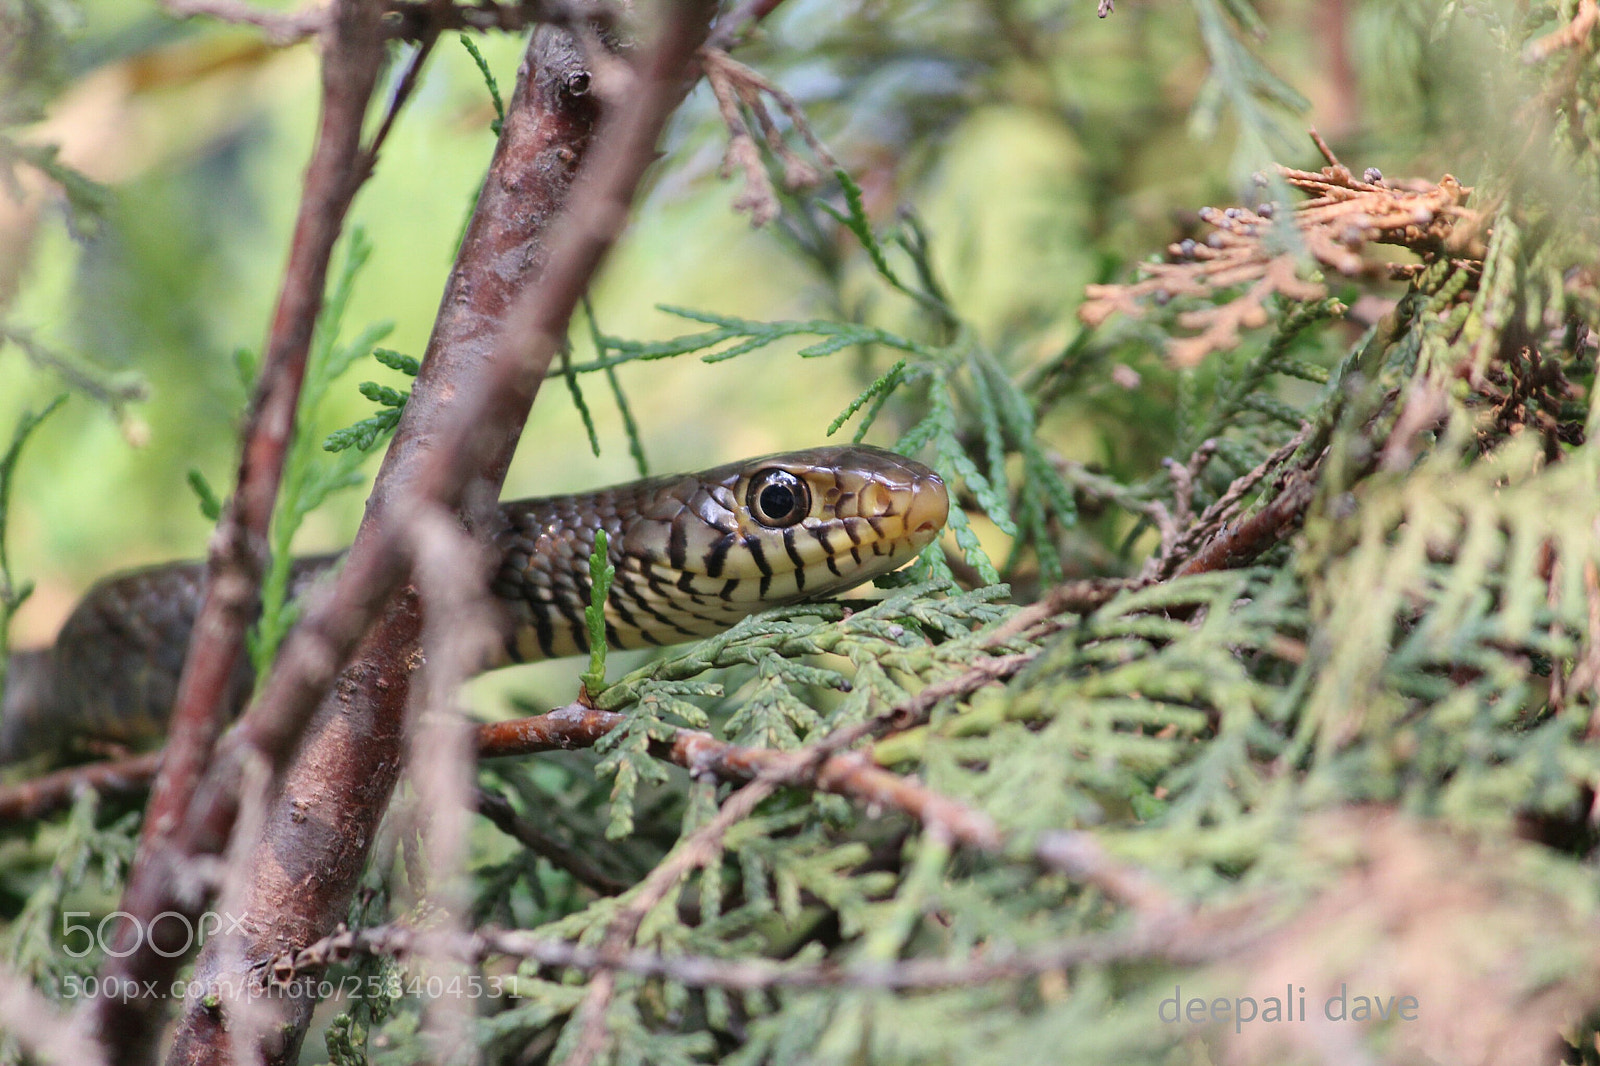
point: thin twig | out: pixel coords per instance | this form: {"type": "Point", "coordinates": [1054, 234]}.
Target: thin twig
{"type": "Point", "coordinates": [278, 27]}
{"type": "Point", "coordinates": [499, 811]}
{"type": "Point", "coordinates": [397, 100]}
{"type": "Point", "coordinates": [28, 800]}
{"type": "Point", "coordinates": [1227, 505]}
{"type": "Point", "coordinates": [1238, 545]}
{"type": "Point", "coordinates": [460, 631]}
{"type": "Point", "coordinates": [1322, 146]}
{"type": "Point", "coordinates": [1184, 940]}
{"type": "Point", "coordinates": [699, 848]}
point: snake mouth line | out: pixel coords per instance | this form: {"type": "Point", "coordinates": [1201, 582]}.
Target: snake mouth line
{"type": "Point", "coordinates": [928, 510]}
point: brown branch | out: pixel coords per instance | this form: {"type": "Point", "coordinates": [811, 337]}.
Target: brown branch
{"type": "Point", "coordinates": [1226, 506]}
{"type": "Point", "coordinates": [1070, 597]}
{"type": "Point", "coordinates": [126, 778]}
{"type": "Point", "coordinates": [491, 347]}
{"type": "Point", "coordinates": [568, 728]}
{"type": "Point", "coordinates": [1241, 544]}
{"type": "Point", "coordinates": [128, 1025]}
{"type": "Point", "coordinates": [239, 546]}
{"type": "Point", "coordinates": [706, 758]}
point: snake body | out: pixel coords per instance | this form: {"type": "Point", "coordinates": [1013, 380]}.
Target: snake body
{"type": "Point", "coordinates": [693, 553]}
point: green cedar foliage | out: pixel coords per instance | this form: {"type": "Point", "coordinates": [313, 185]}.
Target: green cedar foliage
{"type": "Point", "coordinates": [1248, 738]}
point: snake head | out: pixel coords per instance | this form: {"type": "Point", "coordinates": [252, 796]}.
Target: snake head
{"type": "Point", "coordinates": [799, 525]}
{"type": "Point", "coordinates": [694, 553]}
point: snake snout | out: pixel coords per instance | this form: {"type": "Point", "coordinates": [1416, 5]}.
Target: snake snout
{"type": "Point", "coordinates": [930, 507]}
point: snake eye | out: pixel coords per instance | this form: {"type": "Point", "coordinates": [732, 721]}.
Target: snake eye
{"type": "Point", "coordinates": [777, 498]}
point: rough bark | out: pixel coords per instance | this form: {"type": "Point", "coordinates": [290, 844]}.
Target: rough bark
{"type": "Point", "coordinates": [317, 832]}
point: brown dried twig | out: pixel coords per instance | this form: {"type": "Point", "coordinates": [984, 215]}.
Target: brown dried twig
{"type": "Point", "coordinates": [28, 800]}
{"type": "Point", "coordinates": [1214, 520]}
{"type": "Point", "coordinates": [1344, 214]}
{"type": "Point", "coordinates": [1172, 940]}
{"type": "Point", "coordinates": [735, 85]}
{"type": "Point", "coordinates": [1238, 545]}
{"type": "Point", "coordinates": [278, 27]}
{"type": "Point", "coordinates": [1575, 35]}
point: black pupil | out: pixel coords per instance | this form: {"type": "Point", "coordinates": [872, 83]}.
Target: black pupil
{"type": "Point", "coordinates": [777, 500]}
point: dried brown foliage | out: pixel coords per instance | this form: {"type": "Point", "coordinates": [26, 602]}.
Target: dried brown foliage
{"type": "Point", "coordinates": [1335, 227]}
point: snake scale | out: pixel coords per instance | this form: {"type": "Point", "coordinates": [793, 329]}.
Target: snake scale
{"type": "Point", "coordinates": [694, 553]}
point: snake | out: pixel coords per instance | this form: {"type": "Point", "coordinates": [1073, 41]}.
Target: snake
{"type": "Point", "coordinates": [692, 555]}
